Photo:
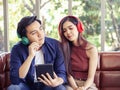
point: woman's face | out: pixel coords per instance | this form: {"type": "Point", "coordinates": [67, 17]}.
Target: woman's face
{"type": "Point", "coordinates": [70, 31]}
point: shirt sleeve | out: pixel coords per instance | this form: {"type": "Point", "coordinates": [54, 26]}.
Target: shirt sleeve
{"type": "Point", "coordinates": [15, 64]}
{"type": "Point", "coordinates": [59, 63]}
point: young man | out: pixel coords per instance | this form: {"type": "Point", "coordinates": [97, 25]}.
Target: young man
{"type": "Point", "coordinates": [34, 48]}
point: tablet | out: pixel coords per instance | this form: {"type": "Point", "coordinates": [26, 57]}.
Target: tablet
{"type": "Point", "coordinates": [43, 69]}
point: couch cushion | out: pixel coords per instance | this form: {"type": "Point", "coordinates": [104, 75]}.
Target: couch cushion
{"type": "Point", "coordinates": [110, 79]}
{"type": "Point", "coordinates": [110, 71]}
{"type": "Point", "coordinates": [110, 88]}
{"type": "Point", "coordinates": [110, 61]}
{"type": "Point", "coordinates": [97, 78]}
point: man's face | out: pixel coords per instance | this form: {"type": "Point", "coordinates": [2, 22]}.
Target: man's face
{"type": "Point", "coordinates": [35, 33]}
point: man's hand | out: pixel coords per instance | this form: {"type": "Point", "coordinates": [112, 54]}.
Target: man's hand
{"type": "Point", "coordinates": [49, 81]}
{"type": "Point", "coordinates": [33, 47]}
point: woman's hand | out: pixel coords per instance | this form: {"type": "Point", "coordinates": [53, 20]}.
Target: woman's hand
{"type": "Point", "coordinates": [72, 82]}
{"type": "Point", "coordinates": [49, 81]}
{"type": "Point", "coordinates": [80, 88]}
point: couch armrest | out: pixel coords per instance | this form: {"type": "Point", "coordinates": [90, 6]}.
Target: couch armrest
{"type": "Point", "coordinates": [4, 70]}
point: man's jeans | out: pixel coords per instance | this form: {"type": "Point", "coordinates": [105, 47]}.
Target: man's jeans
{"type": "Point", "coordinates": [38, 86]}
{"type": "Point", "coordinates": [21, 86]}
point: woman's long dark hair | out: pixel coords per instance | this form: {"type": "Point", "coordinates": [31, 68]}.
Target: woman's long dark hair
{"type": "Point", "coordinates": [66, 45]}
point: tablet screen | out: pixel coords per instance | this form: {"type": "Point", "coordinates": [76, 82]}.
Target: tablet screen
{"type": "Point", "coordinates": [43, 69]}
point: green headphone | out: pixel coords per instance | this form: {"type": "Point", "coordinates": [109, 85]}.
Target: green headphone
{"type": "Point", "coordinates": [24, 39]}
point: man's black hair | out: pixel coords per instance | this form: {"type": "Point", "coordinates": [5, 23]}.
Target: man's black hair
{"type": "Point", "coordinates": [24, 22]}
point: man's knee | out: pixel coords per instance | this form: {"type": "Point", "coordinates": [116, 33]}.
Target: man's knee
{"type": "Point", "coordinates": [13, 87]}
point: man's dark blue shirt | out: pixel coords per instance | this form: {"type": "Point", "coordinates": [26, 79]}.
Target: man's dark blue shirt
{"type": "Point", "coordinates": [52, 54]}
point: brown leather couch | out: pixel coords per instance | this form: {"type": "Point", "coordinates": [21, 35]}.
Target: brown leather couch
{"type": "Point", "coordinates": [4, 71]}
{"type": "Point", "coordinates": [108, 71]}
{"type": "Point", "coordinates": [107, 76]}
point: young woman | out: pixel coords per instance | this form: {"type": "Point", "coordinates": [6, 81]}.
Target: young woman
{"type": "Point", "coordinates": [80, 55]}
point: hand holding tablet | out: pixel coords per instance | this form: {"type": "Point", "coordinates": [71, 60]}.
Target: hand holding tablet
{"type": "Point", "coordinates": [43, 69]}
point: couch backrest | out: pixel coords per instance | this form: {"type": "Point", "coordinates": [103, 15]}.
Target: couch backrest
{"type": "Point", "coordinates": [108, 71]}
{"type": "Point", "coordinates": [4, 71]}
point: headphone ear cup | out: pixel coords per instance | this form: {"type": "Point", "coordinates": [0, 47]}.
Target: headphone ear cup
{"type": "Point", "coordinates": [80, 27]}
{"type": "Point", "coordinates": [18, 35]}
{"type": "Point", "coordinates": [25, 40]}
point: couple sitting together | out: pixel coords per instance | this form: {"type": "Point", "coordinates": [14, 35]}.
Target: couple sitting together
{"type": "Point", "coordinates": [74, 59]}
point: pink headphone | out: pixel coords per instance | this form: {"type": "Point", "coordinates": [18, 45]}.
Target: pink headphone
{"type": "Point", "coordinates": [80, 26]}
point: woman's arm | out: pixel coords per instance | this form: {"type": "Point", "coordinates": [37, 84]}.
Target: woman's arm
{"type": "Point", "coordinates": [93, 59]}
{"type": "Point", "coordinates": [72, 82]}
